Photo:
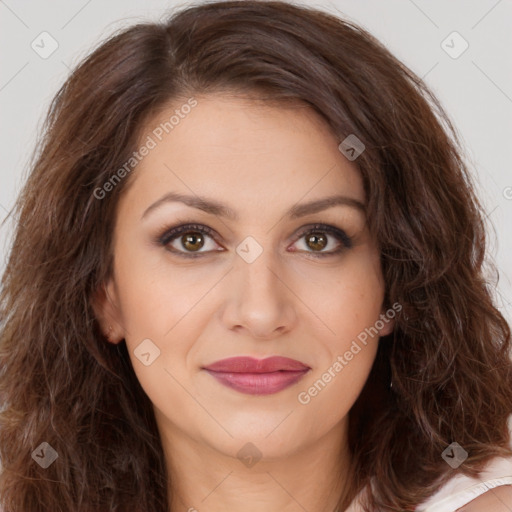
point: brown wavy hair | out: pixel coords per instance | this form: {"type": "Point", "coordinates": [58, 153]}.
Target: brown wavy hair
{"type": "Point", "coordinates": [61, 382]}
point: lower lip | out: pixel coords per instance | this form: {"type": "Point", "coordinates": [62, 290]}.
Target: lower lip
{"type": "Point", "coordinates": [259, 383]}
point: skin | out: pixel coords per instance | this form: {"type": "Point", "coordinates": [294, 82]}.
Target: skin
{"type": "Point", "coordinates": [259, 160]}
{"type": "Point", "coordinates": [497, 500]}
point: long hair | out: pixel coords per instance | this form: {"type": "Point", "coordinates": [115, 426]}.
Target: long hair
{"type": "Point", "coordinates": [63, 384]}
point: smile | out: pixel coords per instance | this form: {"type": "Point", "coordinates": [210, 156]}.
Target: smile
{"type": "Point", "coordinates": [257, 377]}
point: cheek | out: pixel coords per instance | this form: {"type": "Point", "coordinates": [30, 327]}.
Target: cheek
{"type": "Point", "coordinates": [350, 306]}
{"type": "Point", "coordinates": [164, 303]}
{"type": "Point", "coordinates": [329, 394]}
{"type": "Point", "coordinates": [345, 298]}
{"type": "Point", "coordinates": [154, 294]}
{"type": "Point", "coordinates": [345, 357]}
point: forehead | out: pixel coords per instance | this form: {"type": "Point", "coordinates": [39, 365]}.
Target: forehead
{"type": "Point", "coordinates": [244, 152]}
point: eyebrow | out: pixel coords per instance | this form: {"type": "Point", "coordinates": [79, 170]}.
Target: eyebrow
{"type": "Point", "coordinates": [216, 208]}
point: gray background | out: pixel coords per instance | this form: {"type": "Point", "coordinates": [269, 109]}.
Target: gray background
{"type": "Point", "coordinates": [475, 88]}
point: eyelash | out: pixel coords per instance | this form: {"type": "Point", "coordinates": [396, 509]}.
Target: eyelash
{"type": "Point", "coordinates": [170, 234]}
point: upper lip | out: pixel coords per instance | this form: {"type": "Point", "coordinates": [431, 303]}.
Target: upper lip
{"type": "Point", "coordinates": [252, 365]}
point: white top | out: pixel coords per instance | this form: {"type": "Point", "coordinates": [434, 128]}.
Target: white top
{"type": "Point", "coordinates": [460, 489]}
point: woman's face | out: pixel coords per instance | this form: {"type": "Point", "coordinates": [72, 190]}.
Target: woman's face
{"type": "Point", "coordinates": [262, 282]}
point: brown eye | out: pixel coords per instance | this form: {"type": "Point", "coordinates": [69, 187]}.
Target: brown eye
{"type": "Point", "coordinates": [322, 240]}
{"type": "Point", "coordinates": [189, 240]}
{"type": "Point", "coordinates": [192, 241]}
{"type": "Point", "coordinates": [316, 241]}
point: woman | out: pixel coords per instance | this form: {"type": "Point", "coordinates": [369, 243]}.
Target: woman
{"type": "Point", "coordinates": [247, 274]}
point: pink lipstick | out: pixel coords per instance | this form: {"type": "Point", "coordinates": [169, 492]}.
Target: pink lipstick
{"type": "Point", "coordinates": [257, 376]}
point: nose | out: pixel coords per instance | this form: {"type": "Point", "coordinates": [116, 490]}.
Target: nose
{"type": "Point", "coordinates": [258, 299]}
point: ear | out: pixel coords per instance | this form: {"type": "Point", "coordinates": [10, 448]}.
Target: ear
{"type": "Point", "coordinates": [106, 309]}
{"type": "Point", "coordinates": [386, 322]}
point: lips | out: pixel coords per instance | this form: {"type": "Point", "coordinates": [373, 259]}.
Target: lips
{"type": "Point", "coordinates": [251, 365]}
{"type": "Point", "coordinates": [257, 376]}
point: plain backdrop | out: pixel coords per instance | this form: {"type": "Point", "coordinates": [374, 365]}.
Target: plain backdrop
{"type": "Point", "coordinates": [474, 85]}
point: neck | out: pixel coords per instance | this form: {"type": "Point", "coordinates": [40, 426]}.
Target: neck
{"type": "Point", "coordinates": [203, 478]}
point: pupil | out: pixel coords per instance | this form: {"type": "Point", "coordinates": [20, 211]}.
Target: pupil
{"type": "Point", "coordinates": [313, 241]}
{"type": "Point", "coordinates": [191, 241]}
